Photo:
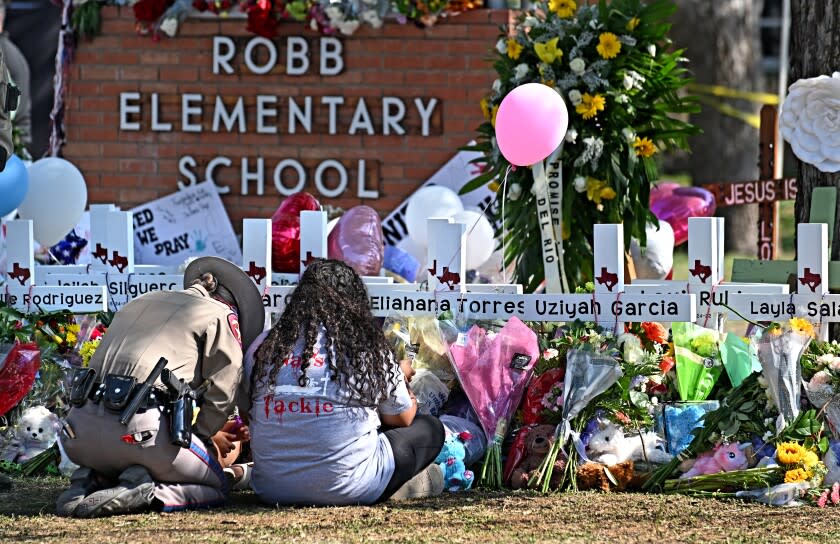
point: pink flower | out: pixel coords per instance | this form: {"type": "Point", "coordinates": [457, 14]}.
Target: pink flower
{"type": "Point", "coordinates": [820, 378]}
{"type": "Point", "coordinates": [823, 499]}
{"type": "Point", "coordinates": [835, 363]}
{"type": "Point", "coordinates": [835, 493]}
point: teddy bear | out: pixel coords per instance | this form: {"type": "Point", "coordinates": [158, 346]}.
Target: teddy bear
{"type": "Point", "coordinates": [723, 458]}
{"type": "Point", "coordinates": [538, 441]}
{"type": "Point", "coordinates": [594, 476]}
{"type": "Point", "coordinates": [35, 433]}
{"type": "Point", "coordinates": [456, 477]}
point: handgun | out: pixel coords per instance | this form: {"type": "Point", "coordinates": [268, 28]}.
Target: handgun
{"type": "Point", "coordinates": [142, 392]}
{"type": "Point", "coordinates": [182, 409]}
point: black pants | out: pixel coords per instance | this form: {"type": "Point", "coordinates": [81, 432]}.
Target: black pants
{"type": "Point", "coordinates": [414, 447]}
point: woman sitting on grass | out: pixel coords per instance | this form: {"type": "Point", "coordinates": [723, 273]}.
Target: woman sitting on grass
{"type": "Point", "coordinates": [324, 387]}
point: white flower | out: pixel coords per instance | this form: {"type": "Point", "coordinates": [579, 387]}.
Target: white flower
{"type": "Point", "coordinates": [348, 27]}
{"type": "Point", "coordinates": [313, 24]}
{"type": "Point", "coordinates": [334, 13]}
{"type": "Point", "coordinates": [632, 79]}
{"type": "Point", "coordinates": [654, 400]}
{"type": "Point", "coordinates": [550, 354]}
{"type": "Point", "coordinates": [577, 65]}
{"type": "Point", "coordinates": [575, 97]}
{"type": "Point", "coordinates": [372, 18]}
{"type": "Point", "coordinates": [651, 49]}
{"type": "Point", "coordinates": [501, 46]}
{"type": "Point", "coordinates": [571, 135]}
{"type": "Point", "coordinates": [497, 86]}
{"type": "Point", "coordinates": [657, 379]}
{"type": "Point", "coordinates": [520, 71]}
{"type": "Point", "coordinates": [835, 363]}
{"type": "Point", "coordinates": [169, 26]}
{"type": "Point", "coordinates": [632, 346]}
{"type": "Point", "coordinates": [628, 134]}
{"type": "Point", "coordinates": [622, 99]}
{"type": "Point", "coordinates": [810, 121]}
{"type": "Point", "coordinates": [515, 191]}
{"type": "Point", "coordinates": [530, 21]}
{"type": "Point", "coordinates": [580, 184]}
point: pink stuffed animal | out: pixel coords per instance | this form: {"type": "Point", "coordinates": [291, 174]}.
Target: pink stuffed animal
{"type": "Point", "coordinates": [723, 458]}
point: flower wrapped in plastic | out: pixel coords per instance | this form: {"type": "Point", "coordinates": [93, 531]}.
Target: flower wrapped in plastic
{"type": "Point", "coordinates": [494, 369]}
{"type": "Point", "coordinates": [19, 363]}
{"type": "Point", "coordinates": [425, 341]}
{"type": "Point", "coordinates": [821, 380]}
{"type": "Point", "coordinates": [779, 349]}
{"type": "Point", "coordinates": [697, 351]}
{"type": "Point", "coordinates": [588, 374]}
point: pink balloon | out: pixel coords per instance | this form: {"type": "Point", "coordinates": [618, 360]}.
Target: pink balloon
{"type": "Point", "coordinates": [531, 123]}
{"type": "Point", "coordinates": [675, 204]}
{"type": "Point", "coordinates": [357, 240]}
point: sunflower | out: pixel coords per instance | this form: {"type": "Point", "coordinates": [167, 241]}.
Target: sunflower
{"type": "Point", "coordinates": [608, 45]}
{"type": "Point", "coordinates": [590, 105]}
{"type": "Point", "coordinates": [809, 459]}
{"type": "Point", "coordinates": [644, 147]}
{"type": "Point", "coordinates": [632, 24]}
{"type": "Point", "coordinates": [789, 453]}
{"type": "Point", "coordinates": [514, 48]}
{"type": "Point", "coordinates": [485, 108]}
{"type": "Point", "coordinates": [796, 475]}
{"type": "Point", "coordinates": [563, 8]}
{"type": "Point", "coordinates": [802, 326]}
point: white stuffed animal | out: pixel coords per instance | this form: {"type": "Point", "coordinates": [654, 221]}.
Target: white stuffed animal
{"type": "Point", "coordinates": [609, 446]}
{"type": "Point", "coordinates": [35, 433]}
{"type": "Point", "coordinates": [654, 446]}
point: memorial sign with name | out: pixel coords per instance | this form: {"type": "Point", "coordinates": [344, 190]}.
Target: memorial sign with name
{"type": "Point", "coordinates": [189, 223]}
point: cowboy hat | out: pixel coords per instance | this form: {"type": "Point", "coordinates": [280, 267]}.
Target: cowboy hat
{"type": "Point", "coordinates": [245, 293]}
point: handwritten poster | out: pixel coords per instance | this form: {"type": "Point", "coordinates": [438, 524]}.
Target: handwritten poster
{"type": "Point", "coordinates": [189, 223]}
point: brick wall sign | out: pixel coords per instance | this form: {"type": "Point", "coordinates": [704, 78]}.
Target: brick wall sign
{"type": "Point", "coordinates": [358, 120]}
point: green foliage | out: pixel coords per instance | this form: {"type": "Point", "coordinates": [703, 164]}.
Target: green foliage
{"type": "Point", "coordinates": [86, 19]}
{"type": "Point", "coordinates": [641, 89]}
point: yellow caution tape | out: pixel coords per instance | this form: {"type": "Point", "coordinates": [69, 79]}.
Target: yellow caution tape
{"type": "Point", "coordinates": [720, 90]}
{"type": "Point", "coordinates": [749, 118]}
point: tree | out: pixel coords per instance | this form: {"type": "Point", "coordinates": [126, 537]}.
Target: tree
{"type": "Point", "coordinates": [814, 50]}
{"type": "Point", "coordinates": [721, 38]}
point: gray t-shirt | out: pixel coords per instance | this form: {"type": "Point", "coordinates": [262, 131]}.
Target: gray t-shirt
{"type": "Point", "coordinates": [309, 445]}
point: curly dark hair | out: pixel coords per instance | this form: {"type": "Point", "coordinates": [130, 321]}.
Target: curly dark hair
{"type": "Point", "coordinates": [332, 295]}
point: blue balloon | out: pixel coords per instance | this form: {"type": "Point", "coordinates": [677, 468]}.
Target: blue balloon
{"type": "Point", "coordinates": [401, 262]}
{"type": "Point", "coordinates": [14, 183]}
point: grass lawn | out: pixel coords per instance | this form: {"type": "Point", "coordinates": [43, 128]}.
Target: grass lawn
{"type": "Point", "coordinates": [475, 517]}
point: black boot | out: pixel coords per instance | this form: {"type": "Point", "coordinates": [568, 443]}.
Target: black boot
{"type": "Point", "coordinates": [83, 482]}
{"type": "Point", "coordinates": [133, 494]}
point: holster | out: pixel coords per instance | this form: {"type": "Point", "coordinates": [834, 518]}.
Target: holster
{"type": "Point", "coordinates": [82, 384]}
{"type": "Point", "coordinates": [118, 391]}
{"type": "Point", "coordinates": [180, 422]}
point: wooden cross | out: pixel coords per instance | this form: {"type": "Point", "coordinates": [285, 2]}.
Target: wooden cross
{"type": "Point", "coordinates": [767, 191]}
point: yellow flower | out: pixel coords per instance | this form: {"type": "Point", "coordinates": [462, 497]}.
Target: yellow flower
{"type": "Point", "coordinates": [597, 190]}
{"type": "Point", "coordinates": [74, 328]}
{"type": "Point", "coordinates": [608, 193]}
{"type": "Point", "coordinates": [795, 475]}
{"type": "Point", "coordinates": [493, 113]}
{"type": "Point", "coordinates": [789, 453]}
{"type": "Point", "coordinates": [810, 459]}
{"type": "Point", "coordinates": [563, 8]}
{"type": "Point", "coordinates": [485, 108]}
{"type": "Point", "coordinates": [548, 52]}
{"type": "Point", "coordinates": [493, 186]}
{"type": "Point", "coordinates": [514, 48]}
{"type": "Point", "coordinates": [590, 105]}
{"type": "Point", "coordinates": [644, 147]}
{"type": "Point", "coordinates": [802, 326]}
{"type": "Point", "coordinates": [71, 339]}
{"type": "Point", "coordinates": [632, 24]}
{"type": "Point", "coordinates": [608, 45]}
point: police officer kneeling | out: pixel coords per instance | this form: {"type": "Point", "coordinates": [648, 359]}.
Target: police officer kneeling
{"type": "Point", "coordinates": [133, 438]}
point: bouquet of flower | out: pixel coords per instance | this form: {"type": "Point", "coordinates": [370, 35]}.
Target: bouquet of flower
{"type": "Point", "coordinates": [614, 65]}
{"type": "Point", "coordinates": [821, 379]}
{"type": "Point", "coordinates": [697, 351]}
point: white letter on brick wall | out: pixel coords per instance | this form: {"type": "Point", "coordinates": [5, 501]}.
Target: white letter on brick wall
{"type": "Point", "coordinates": [127, 109]}
{"type": "Point", "coordinates": [253, 176]}
{"type": "Point", "coordinates": [392, 121]}
{"type": "Point", "coordinates": [361, 119]}
{"type": "Point", "coordinates": [221, 115]}
{"type": "Point", "coordinates": [278, 177]}
{"type": "Point", "coordinates": [332, 63]}
{"type": "Point", "coordinates": [425, 112]}
{"type": "Point", "coordinates": [342, 178]}
{"type": "Point", "coordinates": [363, 191]}
{"type": "Point", "coordinates": [296, 115]}
{"type": "Point", "coordinates": [333, 102]}
{"type": "Point", "coordinates": [188, 109]}
{"type": "Point", "coordinates": [156, 124]}
{"type": "Point", "coordinates": [211, 167]}
{"type": "Point", "coordinates": [249, 54]}
{"type": "Point", "coordinates": [221, 60]}
{"type": "Point", "coordinates": [263, 111]}
{"type": "Point", "coordinates": [297, 56]}
{"type": "Point", "coordinates": [184, 164]}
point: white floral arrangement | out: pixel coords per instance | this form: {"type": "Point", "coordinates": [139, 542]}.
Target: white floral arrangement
{"type": "Point", "coordinates": [810, 121]}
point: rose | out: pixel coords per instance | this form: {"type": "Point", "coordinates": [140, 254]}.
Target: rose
{"type": "Point", "coordinates": [577, 65]}
{"type": "Point", "coordinates": [810, 121]}
{"type": "Point", "coordinates": [149, 11]}
{"type": "Point", "coordinates": [655, 332]}
{"type": "Point", "coordinates": [820, 378]}
{"type": "Point", "coordinates": [835, 363]}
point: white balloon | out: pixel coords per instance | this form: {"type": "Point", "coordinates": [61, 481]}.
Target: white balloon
{"type": "Point", "coordinates": [56, 199]}
{"type": "Point", "coordinates": [432, 201]}
{"type": "Point", "coordinates": [480, 237]}
{"type": "Point", "coordinates": [657, 259]}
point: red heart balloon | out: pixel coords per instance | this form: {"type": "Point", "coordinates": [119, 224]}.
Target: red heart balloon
{"type": "Point", "coordinates": [357, 240]}
{"type": "Point", "coordinates": [18, 374]}
{"type": "Point", "coordinates": [285, 232]}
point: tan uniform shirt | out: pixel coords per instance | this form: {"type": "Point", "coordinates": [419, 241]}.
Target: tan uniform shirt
{"type": "Point", "coordinates": [197, 334]}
